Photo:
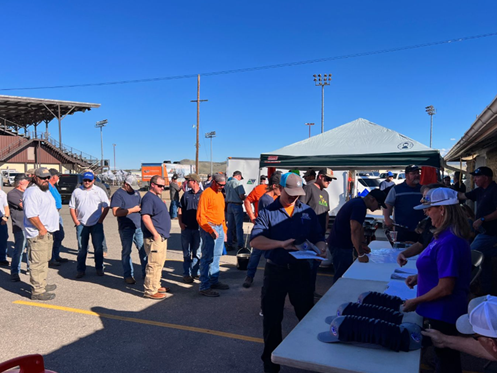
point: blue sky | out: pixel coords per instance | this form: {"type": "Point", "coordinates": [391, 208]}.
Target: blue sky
{"type": "Point", "coordinates": [62, 43]}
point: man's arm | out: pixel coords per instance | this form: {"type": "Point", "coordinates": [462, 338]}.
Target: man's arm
{"type": "Point", "coordinates": [6, 215]}
{"type": "Point", "coordinates": [461, 196]}
{"type": "Point", "coordinates": [248, 208]}
{"type": "Point", "coordinates": [120, 212]}
{"type": "Point", "coordinates": [264, 243]}
{"type": "Point", "coordinates": [38, 225]}
{"type": "Point", "coordinates": [413, 250]}
{"type": "Point", "coordinates": [477, 223]}
{"type": "Point", "coordinates": [74, 216]}
{"type": "Point", "coordinates": [105, 211]}
{"type": "Point", "coordinates": [357, 238]}
{"type": "Point", "coordinates": [386, 215]}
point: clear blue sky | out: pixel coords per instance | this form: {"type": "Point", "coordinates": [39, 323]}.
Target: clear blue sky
{"type": "Point", "coordinates": [64, 42]}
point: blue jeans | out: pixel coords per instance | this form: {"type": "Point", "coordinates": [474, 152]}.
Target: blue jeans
{"type": "Point", "coordinates": [211, 254]}
{"type": "Point", "coordinates": [342, 260]}
{"type": "Point", "coordinates": [128, 236]}
{"type": "Point", "coordinates": [235, 224]}
{"type": "Point", "coordinates": [58, 237]}
{"type": "Point", "coordinates": [190, 242]}
{"type": "Point", "coordinates": [19, 246]}
{"type": "Point", "coordinates": [4, 235]}
{"type": "Point", "coordinates": [174, 209]}
{"type": "Point", "coordinates": [485, 244]}
{"type": "Point", "coordinates": [254, 260]}
{"type": "Point", "coordinates": [97, 237]}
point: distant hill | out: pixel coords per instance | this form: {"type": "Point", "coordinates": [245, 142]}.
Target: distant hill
{"type": "Point", "coordinates": [205, 167]}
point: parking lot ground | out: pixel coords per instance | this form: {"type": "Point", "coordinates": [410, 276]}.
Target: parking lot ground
{"type": "Point", "coordinates": [102, 324]}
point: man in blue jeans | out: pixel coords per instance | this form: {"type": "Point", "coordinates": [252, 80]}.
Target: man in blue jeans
{"type": "Point", "coordinates": [174, 189]}
{"type": "Point", "coordinates": [88, 207]}
{"type": "Point", "coordinates": [235, 194]}
{"type": "Point", "coordinates": [59, 235]}
{"type": "Point", "coordinates": [485, 223]}
{"type": "Point", "coordinates": [190, 234]}
{"type": "Point", "coordinates": [4, 232]}
{"type": "Point", "coordinates": [125, 205]}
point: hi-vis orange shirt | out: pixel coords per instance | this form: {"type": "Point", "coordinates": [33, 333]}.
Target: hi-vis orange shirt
{"type": "Point", "coordinates": [210, 210]}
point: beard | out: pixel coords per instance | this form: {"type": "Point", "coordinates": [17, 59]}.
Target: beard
{"type": "Point", "coordinates": [44, 188]}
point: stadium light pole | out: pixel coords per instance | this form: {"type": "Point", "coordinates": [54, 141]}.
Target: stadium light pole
{"type": "Point", "coordinates": [101, 124]}
{"type": "Point", "coordinates": [431, 112]}
{"type": "Point", "coordinates": [210, 135]}
{"type": "Point", "coordinates": [309, 124]}
{"type": "Point", "coordinates": [322, 80]}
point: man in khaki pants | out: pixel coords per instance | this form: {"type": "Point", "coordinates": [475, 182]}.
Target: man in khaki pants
{"type": "Point", "coordinates": [156, 225]}
{"type": "Point", "coordinates": [41, 219]}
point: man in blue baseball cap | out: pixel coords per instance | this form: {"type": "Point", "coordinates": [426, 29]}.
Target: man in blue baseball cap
{"type": "Point", "coordinates": [388, 183]}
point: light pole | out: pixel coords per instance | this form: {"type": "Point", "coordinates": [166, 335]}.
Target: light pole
{"type": "Point", "coordinates": [322, 80]}
{"type": "Point", "coordinates": [309, 124]}
{"type": "Point", "coordinates": [114, 145]}
{"type": "Point", "coordinates": [210, 135]}
{"type": "Point", "coordinates": [101, 124]}
{"type": "Point", "coordinates": [198, 101]}
{"type": "Point", "coordinates": [431, 112]}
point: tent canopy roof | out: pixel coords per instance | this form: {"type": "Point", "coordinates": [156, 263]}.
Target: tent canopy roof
{"type": "Point", "coordinates": [359, 143]}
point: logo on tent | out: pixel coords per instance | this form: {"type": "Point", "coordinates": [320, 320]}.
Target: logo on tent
{"type": "Point", "coordinates": [272, 158]}
{"type": "Point", "coordinates": [405, 145]}
{"type": "Point", "coordinates": [251, 181]}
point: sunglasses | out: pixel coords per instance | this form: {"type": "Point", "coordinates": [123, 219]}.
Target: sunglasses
{"type": "Point", "coordinates": [221, 185]}
{"type": "Point", "coordinates": [87, 181]}
{"type": "Point", "coordinates": [44, 178]}
{"type": "Point", "coordinates": [160, 186]}
{"type": "Point", "coordinates": [328, 179]}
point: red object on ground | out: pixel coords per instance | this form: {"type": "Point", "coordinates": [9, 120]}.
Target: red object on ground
{"type": "Point", "coordinates": [26, 364]}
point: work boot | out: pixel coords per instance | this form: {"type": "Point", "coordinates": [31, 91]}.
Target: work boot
{"type": "Point", "coordinates": [220, 286]}
{"type": "Point", "coordinates": [209, 293]}
{"type": "Point", "coordinates": [80, 274]}
{"type": "Point", "coordinates": [50, 287]}
{"type": "Point", "coordinates": [15, 277]}
{"type": "Point", "coordinates": [43, 296]}
{"type": "Point", "coordinates": [130, 280]}
{"type": "Point", "coordinates": [248, 282]}
{"type": "Point", "coordinates": [100, 272]}
{"type": "Point", "coordinates": [188, 279]}
{"type": "Point", "coordinates": [156, 296]}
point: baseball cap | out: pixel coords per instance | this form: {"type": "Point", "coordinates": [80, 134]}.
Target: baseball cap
{"type": "Point", "coordinates": [263, 177]}
{"type": "Point", "coordinates": [42, 172]}
{"type": "Point", "coordinates": [54, 172]}
{"type": "Point", "coordinates": [174, 177]}
{"type": "Point", "coordinates": [412, 168]}
{"type": "Point", "coordinates": [380, 196]}
{"type": "Point", "coordinates": [310, 172]}
{"type": "Point", "coordinates": [20, 177]}
{"type": "Point", "coordinates": [438, 197]}
{"type": "Point", "coordinates": [481, 317]}
{"type": "Point", "coordinates": [30, 171]}
{"type": "Point", "coordinates": [389, 173]}
{"type": "Point", "coordinates": [131, 181]}
{"type": "Point", "coordinates": [483, 171]}
{"type": "Point", "coordinates": [88, 176]}
{"type": "Point", "coordinates": [292, 184]}
{"type": "Point", "coordinates": [328, 172]}
{"type": "Point", "coordinates": [236, 173]}
{"type": "Point", "coordinates": [275, 178]}
{"type": "Point", "coordinates": [193, 177]}
{"type": "Point", "coordinates": [219, 178]}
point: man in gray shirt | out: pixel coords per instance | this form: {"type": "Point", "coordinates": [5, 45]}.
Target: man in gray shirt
{"type": "Point", "coordinates": [235, 194]}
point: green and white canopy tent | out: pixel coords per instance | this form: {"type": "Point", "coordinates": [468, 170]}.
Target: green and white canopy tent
{"type": "Point", "coordinates": [359, 144]}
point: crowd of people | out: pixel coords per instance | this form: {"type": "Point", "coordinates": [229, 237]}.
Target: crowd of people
{"type": "Point", "coordinates": [285, 212]}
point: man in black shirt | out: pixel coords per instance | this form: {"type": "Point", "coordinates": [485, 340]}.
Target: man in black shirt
{"type": "Point", "coordinates": [486, 221]}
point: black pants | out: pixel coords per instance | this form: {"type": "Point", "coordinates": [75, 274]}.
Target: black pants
{"type": "Point", "coordinates": [448, 361]}
{"type": "Point", "coordinates": [294, 280]}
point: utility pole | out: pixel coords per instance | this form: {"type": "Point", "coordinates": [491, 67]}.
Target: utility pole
{"type": "Point", "coordinates": [114, 145]}
{"type": "Point", "coordinates": [101, 124]}
{"type": "Point", "coordinates": [431, 112]}
{"type": "Point", "coordinates": [309, 124]}
{"type": "Point", "coordinates": [322, 80]}
{"type": "Point", "coordinates": [210, 135]}
{"type": "Point", "coordinates": [198, 101]}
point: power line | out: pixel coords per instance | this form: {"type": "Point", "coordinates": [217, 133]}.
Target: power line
{"type": "Point", "coordinates": [258, 68]}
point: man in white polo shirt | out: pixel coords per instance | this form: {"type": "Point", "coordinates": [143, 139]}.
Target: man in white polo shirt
{"type": "Point", "coordinates": [89, 206]}
{"type": "Point", "coordinates": [41, 220]}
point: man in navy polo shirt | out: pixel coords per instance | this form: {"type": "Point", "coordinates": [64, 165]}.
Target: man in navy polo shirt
{"type": "Point", "coordinates": [156, 226]}
{"type": "Point", "coordinates": [190, 233]}
{"type": "Point", "coordinates": [401, 199]}
{"type": "Point", "coordinates": [125, 205]}
{"type": "Point", "coordinates": [485, 223]}
{"type": "Point", "coordinates": [283, 223]}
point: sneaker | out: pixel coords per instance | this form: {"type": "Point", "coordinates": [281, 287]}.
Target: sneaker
{"type": "Point", "coordinates": [62, 260]}
{"type": "Point", "coordinates": [188, 279]}
{"type": "Point", "coordinates": [220, 286]}
{"type": "Point", "coordinates": [156, 296]}
{"type": "Point", "coordinates": [130, 280]}
{"type": "Point", "coordinates": [43, 296]}
{"type": "Point", "coordinates": [15, 278]}
{"type": "Point", "coordinates": [248, 282]}
{"type": "Point", "coordinates": [209, 293]}
{"type": "Point", "coordinates": [100, 272]}
{"type": "Point", "coordinates": [164, 290]}
{"type": "Point", "coordinates": [80, 274]}
{"type": "Point", "coordinates": [50, 287]}
{"type": "Point", "coordinates": [4, 263]}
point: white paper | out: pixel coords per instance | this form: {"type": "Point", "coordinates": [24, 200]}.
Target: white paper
{"type": "Point", "coordinates": [400, 289]}
{"type": "Point", "coordinates": [305, 255]}
{"type": "Point", "coordinates": [410, 271]}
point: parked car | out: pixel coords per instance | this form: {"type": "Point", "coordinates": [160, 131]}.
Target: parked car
{"type": "Point", "coordinates": [366, 183]}
{"type": "Point", "coordinates": [68, 182]}
{"type": "Point", "coordinates": [5, 176]}
{"type": "Point", "coordinates": [11, 178]}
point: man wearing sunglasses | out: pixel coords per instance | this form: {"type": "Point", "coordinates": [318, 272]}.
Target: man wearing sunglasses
{"type": "Point", "coordinates": [156, 226]}
{"type": "Point", "coordinates": [88, 207]}
{"type": "Point", "coordinates": [41, 220]}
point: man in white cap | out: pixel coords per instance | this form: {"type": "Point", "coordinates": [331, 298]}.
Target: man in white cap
{"type": "Point", "coordinates": [125, 205]}
{"type": "Point", "coordinates": [480, 322]}
{"type": "Point", "coordinates": [41, 220]}
{"type": "Point", "coordinates": [284, 223]}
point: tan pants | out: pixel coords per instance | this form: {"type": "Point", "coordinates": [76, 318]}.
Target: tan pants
{"type": "Point", "coordinates": [156, 253]}
{"type": "Point", "coordinates": [39, 252]}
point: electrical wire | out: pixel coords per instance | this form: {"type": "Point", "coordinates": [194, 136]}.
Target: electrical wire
{"type": "Point", "coordinates": [258, 68]}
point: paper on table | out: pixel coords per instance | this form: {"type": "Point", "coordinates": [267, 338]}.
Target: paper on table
{"type": "Point", "coordinates": [400, 289]}
{"type": "Point", "coordinates": [399, 276]}
{"type": "Point", "coordinates": [308, 254]}
{"type": "Point", "coordinates": [410, 271]}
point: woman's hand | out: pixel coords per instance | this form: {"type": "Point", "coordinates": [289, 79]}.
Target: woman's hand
{"type": "Point", "coordinates": [410, 305]}
{"type": "Point", "coordinates": [412, 281]}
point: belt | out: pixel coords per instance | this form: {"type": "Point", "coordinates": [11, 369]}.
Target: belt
{"type": "Point", "coordinates": [236, 203]}
{"type": "Point", "coordinates": [287, 265]}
